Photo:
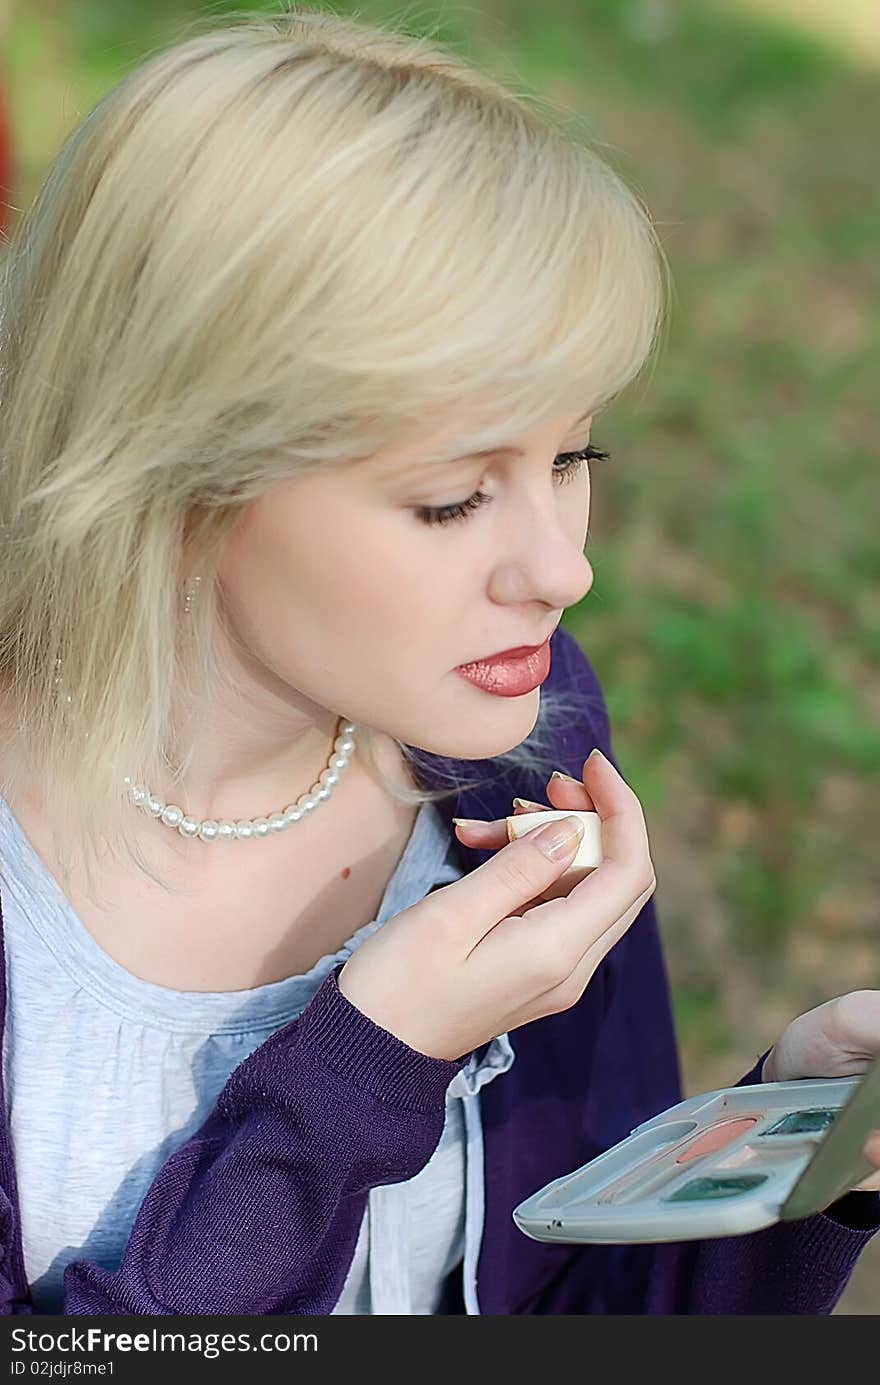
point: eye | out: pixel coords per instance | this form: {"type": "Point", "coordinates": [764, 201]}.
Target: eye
{"type": "Point", "coordinates": [574, 463]}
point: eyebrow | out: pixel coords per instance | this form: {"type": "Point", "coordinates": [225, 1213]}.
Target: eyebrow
{"type": "Point", "coordinates": [496, 451]}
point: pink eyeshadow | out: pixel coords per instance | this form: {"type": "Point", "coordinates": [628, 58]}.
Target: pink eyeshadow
{"type": "Point", "coordinates": [717, 1138]}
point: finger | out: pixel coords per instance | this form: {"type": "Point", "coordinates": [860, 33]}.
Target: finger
{"type": "Point", "coordinates": [514, 875]}
{"type": "Point", "coordinates": [854, 1021]}
{"type": "Point", "coordinates": [607, 891]}
{"type": "Point", "coordinates": [571, 988]}
{"type": "Point", "coordinates": [491, 834]}
{"type": "Point", "coordinates": [564, 792]}
{"type": "Point", "coordinates": [488, 835]}
{"type": "Point", "coordinates": [595, 903]}
{"type": "Point", "coordinates": [613, 878]}
{"type": "Point", "coordinates": [599, 948]}
{"type": "Point", "coordinates": [871, 1184]}
{"type": "Point", "coordinates": [481, 836]}
{"type": "Point", "coordinates": [567, 792]}
{"type": "Point", "coordinates": [624, 832]}
{"type": "Point", "coordinates": [588, 858]}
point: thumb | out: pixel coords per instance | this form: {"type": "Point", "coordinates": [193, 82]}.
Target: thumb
{"type": "Point", "coordinates": [519, 872]}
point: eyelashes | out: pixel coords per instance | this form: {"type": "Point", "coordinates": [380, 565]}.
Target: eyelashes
{"type": "Point", "coordinates": [574, 464]}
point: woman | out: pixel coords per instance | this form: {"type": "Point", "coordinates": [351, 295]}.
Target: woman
{"type": "Point", "coordinates": [266, 457]}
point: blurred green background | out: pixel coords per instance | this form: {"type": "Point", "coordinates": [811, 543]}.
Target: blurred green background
{"type": "Point", "coordinates": [735, 616]}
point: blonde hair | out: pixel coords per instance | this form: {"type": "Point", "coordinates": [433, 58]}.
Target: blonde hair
{"type": "Point", "coordinates": [282, 244]}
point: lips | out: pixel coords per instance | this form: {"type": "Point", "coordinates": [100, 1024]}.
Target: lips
{"type": "Point", "coordinates": [520, 652]}
{"type": "Point", "coordinates": [511, 676]}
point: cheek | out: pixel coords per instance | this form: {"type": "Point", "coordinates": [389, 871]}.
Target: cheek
{"type": "Point", "coordinates": [355, 567]}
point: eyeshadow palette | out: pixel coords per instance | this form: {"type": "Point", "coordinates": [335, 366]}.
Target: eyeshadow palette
{"type": "Point", "coordinates": [727, 1162]}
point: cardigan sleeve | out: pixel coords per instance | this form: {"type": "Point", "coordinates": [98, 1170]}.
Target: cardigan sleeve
{"type": "Point", "coordinates": [259, 1211]}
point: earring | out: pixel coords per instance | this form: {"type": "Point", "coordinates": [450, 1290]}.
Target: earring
{"type": "Point", "coordinates": [192, 591]}
{"type": "Point", "coordinates": [57, 680]}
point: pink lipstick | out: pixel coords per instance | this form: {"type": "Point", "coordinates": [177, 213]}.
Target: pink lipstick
{"type": "Point", "coordinates": [511, 673]}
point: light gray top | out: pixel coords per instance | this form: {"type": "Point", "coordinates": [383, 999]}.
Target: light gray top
{"type": "Point", "coordinates": [124, 1071]}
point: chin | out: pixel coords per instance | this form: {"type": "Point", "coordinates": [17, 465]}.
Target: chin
{"type": "Point", "coordinates": [507, 723]}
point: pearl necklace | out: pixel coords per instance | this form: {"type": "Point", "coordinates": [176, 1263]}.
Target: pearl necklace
{"type": "Point", "coordinates": [244, 829]}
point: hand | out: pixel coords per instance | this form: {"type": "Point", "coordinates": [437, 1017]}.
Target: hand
{"type": "Point", "coordinates": [839, 1038]}
{"type": "Point", "coordinates": [462, 966]}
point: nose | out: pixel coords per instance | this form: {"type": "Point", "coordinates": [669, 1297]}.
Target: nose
{"type": "Point", "coordinates": [555, 554]}
{"type": "Point", "coordinates": [549, 569]}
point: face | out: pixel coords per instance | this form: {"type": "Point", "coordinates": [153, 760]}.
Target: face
{"type": "Point", "coordinates": [340, 589]}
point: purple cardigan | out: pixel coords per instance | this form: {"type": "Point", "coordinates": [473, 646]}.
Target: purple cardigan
{"type": "Point", "coordinates": [259, 1211]}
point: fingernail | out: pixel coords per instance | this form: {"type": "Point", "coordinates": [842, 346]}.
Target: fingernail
{"type": "Point", "coordinates": [557, 774]}
{"type": "Point", "coordinates": [557, 838]}
{"type": "Point", "coordinates": [527, 803]}
{"type": "Point", "coordinates": [469, 822]}
{"type": "Point", "coordinates": [596, 755]}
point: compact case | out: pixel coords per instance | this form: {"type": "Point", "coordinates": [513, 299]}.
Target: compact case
{"type": "Point", "coordinates": [729, 1161]}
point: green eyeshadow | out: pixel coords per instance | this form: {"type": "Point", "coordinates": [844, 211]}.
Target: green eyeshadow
{"type": "Point", "coordinates": [700, 1189]}
{"type": "Point", "coordinates": [801, 1123]}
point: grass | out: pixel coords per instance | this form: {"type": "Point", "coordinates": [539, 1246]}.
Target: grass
{"type": "Point", "coordinates": [735, 616]}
